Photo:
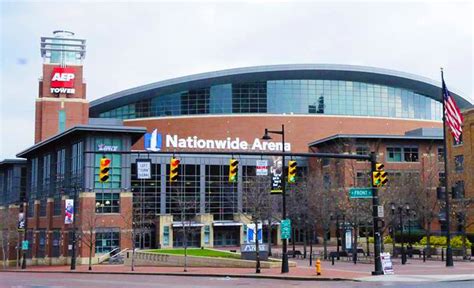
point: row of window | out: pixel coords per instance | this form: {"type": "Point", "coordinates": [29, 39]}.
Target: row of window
{"type": "Point", "coordinates": [106, 239]}
{"type": "Point", "coordinates": [330, 97]}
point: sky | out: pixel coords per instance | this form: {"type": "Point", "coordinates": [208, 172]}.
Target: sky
{"type": "Point", "coordinates": [132, 44]}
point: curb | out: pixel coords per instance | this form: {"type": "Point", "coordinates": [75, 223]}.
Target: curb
{"type": "Point", "coordinates": [190, 274]}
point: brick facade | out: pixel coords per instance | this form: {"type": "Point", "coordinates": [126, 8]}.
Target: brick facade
{"type": "Point", "coordinates": [48, 105]}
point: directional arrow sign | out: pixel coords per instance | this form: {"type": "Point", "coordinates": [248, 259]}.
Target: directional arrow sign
{"type": "Point", "coordinates": [360, 193]}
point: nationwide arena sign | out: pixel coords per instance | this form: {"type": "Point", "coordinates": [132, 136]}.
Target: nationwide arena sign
{"type": "Point", "coordinates": [62, 80]}
{"type": "Point", "coordinates": [154, 142]}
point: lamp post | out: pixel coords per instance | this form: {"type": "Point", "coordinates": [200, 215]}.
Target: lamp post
{"type": "Point", "coordinates": [400, 214]}
{"type": "Point", "coordinates": [284, 256]}
{"type": "Point", "coordinates": [407, 207]}
{"type": "Point", "coordinates": [338, 235]}
{"type": "Point", "coordinates": [73, 252]}
{"type": "Point", "coordinates": [25, 213]}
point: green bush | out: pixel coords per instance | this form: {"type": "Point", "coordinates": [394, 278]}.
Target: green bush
{"type": "Point", "coordinates": [456, 242]}
{"type": "Point", "coordinates": [387, 240]}
{"type": "Point", "coordinates": [440, 241]}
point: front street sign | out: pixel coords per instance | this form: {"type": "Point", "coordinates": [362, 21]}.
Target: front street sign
{"type": "Point", "coordinates": [360, 193]}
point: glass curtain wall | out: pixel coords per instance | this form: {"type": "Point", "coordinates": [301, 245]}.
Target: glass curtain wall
{"type": "Point", "coordinates": [305, 96]}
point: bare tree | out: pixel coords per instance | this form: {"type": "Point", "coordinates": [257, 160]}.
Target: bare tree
{"type": "Point", "coordinates": [8, 233]}
{"type": "Point", "coordinates": [90, 221]}
{"type": "Point", "coordinates": [462, 208]}
{"type": "Point", "coordinates": [257, 200]}
{"type": "Point", "coordinates": [185, 204]}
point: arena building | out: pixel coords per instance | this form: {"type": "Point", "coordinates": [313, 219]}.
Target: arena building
{"type": "Point", "coordinates": [225, 111]}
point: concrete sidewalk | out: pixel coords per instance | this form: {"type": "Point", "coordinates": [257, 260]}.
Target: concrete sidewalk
{"type": "Point", "coordinates": [414, 271]}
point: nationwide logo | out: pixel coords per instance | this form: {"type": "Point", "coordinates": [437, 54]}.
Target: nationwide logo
{"type": "Point", "coordinates": [154, 142]}
{"type": "Point", "coordinates": [62, 80]}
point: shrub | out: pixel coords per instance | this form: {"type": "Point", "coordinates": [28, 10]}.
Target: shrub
{"type": "Point", "coordinates": [440, 241]}
{"type": "Point", "coordinates": [387, 240]}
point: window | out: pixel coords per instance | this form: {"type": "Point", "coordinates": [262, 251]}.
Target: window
{"type": "Point", "coordinates": [362, 179]}
{"type": "Point", "coordinates": [57, 206]}
{"type": "Point", "coordinates": [43, 206]}
{"type": "Point", "coordinates": [410, 154]}
{"type": "Point", "coordinates": [41, 243]}
{"type": "Point", "coordinates": [107, 202]}
{"type": "Point", "coordinates": [394, 154]}
{"type": "Point", "coordinates": [459, 163]}
{"type": "Point", "coordinates": [362, 150]}
{"type": "Point", "coordinates": [115, 171]}
{"type": "Point", "coordinates": [440, 154]}
{"type": "Point", "coordinates": [46, 179]}
{"type": "Point", "coordinates": [106, 239]}
{"type": "Point", "coordinates": [457, 143]}
{"type": "Point", "coordinates": [77, 157]}
{"type": "Point", "coordinates": [402, 154]}
{"type": "Point", "coordinates": [442, 179]}
{"type": "Point", "coordinates": [458, 190]}
{"type": "Point", "coordinates": [56, 238]}
{"type": "Point", "coordinates": [62, 121]}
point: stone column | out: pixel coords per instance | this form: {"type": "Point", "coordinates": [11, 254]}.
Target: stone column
{"type": "Point", "coordinates": [165, 225]}
{"type": "Point", "coordinates": [207, 231]}
{"type": "Point", "coordinates": [244, 219]}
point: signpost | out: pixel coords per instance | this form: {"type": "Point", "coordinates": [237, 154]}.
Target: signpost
{"type": "Point", "coordinates": [285, 229]}
{"type": "Point", "coordinates": [360, 193]}
{"type": "Point", "coordinates": [143, 168]}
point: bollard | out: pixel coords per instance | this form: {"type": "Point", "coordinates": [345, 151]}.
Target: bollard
{"type": "Point", "coordinates": [332, 258]}
{"type": "Point", "coordinates": [424, 255]}
{"type": "Point", "coordinates": [318, 267]}
{"type": "Point", "coordinates": [442, 255]}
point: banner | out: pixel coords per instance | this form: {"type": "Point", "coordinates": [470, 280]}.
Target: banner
{"type": "Point", "coordinates": [69, 212]}
{"type": "Point", "coordinates": [21, 221]}
{"type": "Point", "coordinates": [262, 168]}
{"type": "Point", "coordinates": [277, 175]}
{"type": "Point", "coordinates": [251, 233]}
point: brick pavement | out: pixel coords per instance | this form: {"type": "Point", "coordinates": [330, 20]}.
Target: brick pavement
{"type": "Point", "coordinates": [342, 270]}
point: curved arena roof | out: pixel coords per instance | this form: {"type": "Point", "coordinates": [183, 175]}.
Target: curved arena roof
{"type": "Point", "coordinates": [418, 84]}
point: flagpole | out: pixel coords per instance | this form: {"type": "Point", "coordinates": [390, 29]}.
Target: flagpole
{"type": "Point", "coordinates": [449, 251]}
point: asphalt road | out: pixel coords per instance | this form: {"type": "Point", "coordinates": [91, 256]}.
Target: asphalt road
{"type": "Point", "coordinates": [43, 280]}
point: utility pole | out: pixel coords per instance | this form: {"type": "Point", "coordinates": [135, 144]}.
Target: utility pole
{"type": "Point", "coordinates": [73, 252]}
{"type": "Point", "coordinates": [375, 204]}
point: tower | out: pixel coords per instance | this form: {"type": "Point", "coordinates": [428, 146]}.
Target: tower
{"type": "Point", "coordinates": [61, 101]}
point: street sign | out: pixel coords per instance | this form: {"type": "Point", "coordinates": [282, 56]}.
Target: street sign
{"type": "Point", "coordinates": [285, 229]}
{"type": "Point", "coordinates": [360, 192]}
{"type": "Point", "coordinates": [143, 168]}
{"type": "Point", "coordinates": [24, 245]}
{"type": "Point", "coordinates": [262, 168]}
{"type": "Point", "coordinates": [380, 211]}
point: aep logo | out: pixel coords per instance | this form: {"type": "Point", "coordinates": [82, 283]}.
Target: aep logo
{"type": "Point", "coordinates": [62, 77]}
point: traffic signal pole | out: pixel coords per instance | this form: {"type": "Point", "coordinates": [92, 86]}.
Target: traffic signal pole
{"type": "Point", "coordinates": [376, 220]}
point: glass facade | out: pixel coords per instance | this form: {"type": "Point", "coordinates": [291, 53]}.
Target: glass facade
{"type": "Point", "coordinates": [308, 96]}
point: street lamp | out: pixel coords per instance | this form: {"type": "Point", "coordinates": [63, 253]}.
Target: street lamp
{"type": "Point", "coordinates": [266, 136]}
{"type": "Point", "coordinates": [400, 212]}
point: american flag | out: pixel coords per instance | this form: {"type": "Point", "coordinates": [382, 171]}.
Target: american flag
{"type": "Point", "coordinates": [453, 116]}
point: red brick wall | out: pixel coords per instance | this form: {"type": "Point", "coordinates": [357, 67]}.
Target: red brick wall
{"type": "Point", "coordinates": [299, 130]}
{"type": "Point", "coordinates": [48, 105]}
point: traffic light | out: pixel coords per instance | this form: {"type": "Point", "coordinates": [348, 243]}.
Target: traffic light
{"type": "Point", "coordinates": [174, 169]}
{"type": "Point", "coordinates": [292, 171]}
{"type": "Point", "coordinates": [104, 169]}
{"type": "Point", "coordinates": [233, 170]}
{"type": "Point", "coordinates": [379, 175]}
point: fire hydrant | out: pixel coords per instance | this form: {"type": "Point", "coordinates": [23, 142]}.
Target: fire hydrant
{"type": "Point", "coordinates": [318, 267]}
